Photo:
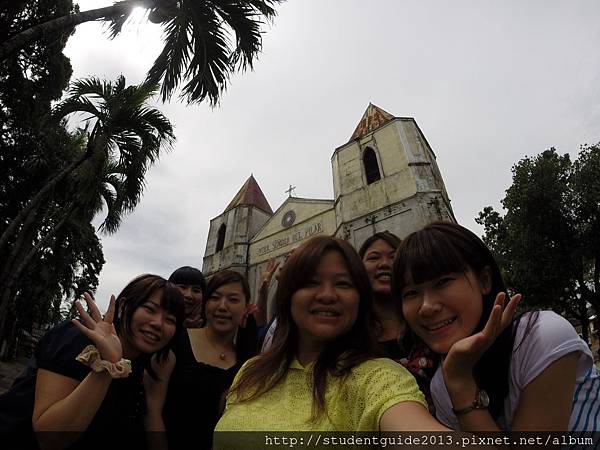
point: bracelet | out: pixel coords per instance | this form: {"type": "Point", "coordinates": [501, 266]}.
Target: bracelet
{"type": "Point", "coordinates": [90, 356]}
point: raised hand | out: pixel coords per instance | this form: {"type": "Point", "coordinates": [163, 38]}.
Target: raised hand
{"type": "Point", "coordinates": [99, 330]}
{"type": "Point", "coordinates": [464, 354]}
{"type": "Point", "coordinates": [193, 317]}
{"type": "Point", "coordinates": [156, 389]}
{"type": "Point", "coordinates": [163, 367]}
{"type": "Point", "coordinates": [267, 275]}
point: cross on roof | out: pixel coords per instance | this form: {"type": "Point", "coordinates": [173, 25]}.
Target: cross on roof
{"type": "Point", "coordinates": [290, 190]}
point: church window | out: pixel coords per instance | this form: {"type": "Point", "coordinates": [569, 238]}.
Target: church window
{"type": "Point", "coordinates": [371, 166]}
{"type": "Point", "coordinates": [221, 238]}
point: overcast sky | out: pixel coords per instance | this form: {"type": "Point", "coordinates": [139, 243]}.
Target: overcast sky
{"type": "Point", "coordinates": [488, 82]}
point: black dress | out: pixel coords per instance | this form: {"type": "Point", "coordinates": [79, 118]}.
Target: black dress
{"type": "Point", "coordinates": [119, 417]}
{"type": "Point", "coordinates": [197, 390]}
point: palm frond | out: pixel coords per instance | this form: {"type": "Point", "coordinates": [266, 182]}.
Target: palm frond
{"type": "Point", "coordinates": [205, 42]}
{"type": "Point", "coordinates": [116, 22]}
{"type": "Point", "coordinates": [73, 105]}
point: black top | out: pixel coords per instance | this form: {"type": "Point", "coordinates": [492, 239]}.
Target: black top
{"type": "Point", "coordinates": [197, 391]}
{"type": "Point", "coordinates": [120, 414]}
{"type": "Point", "coordinates": [393, 349]}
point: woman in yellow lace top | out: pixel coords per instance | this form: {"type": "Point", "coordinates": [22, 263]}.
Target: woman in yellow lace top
{"type": "Point", "coordinates": [320, 372]}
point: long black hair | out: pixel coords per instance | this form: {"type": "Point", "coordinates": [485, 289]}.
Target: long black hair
{"type": "Point", "coordinates": [444, 247]}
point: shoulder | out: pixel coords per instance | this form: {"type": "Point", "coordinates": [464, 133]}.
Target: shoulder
{"type": "Point", "coordinates": [383, 366]}
{"type": "Point", "coordinates": [242, 369]}
{"type": "Point", "coordinates": [373, 387]}
{"type": "Point", "coordinates": [546, 329]}
{"type": "Point", "coordinates": [542, 338]}
{"type": "Point", "coordinates": [383, 374]}
{"type": "Point", "coordinates": [58, 348]}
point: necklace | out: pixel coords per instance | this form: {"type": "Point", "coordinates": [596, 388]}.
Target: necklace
{"type": "Point", "coordinates": [222, 355]}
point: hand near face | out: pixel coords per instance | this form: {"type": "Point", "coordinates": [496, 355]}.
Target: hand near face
{"type": "Point", "coordinates": [465, 353]}
{"type": "Point", "coordinates": [100, 331]}
{"type": "Point", "coordinates": [156, 390]}
{"type": "Point", "coordinates": [193, 318]}
{"type": "Point", "coordinates": [163, 367]}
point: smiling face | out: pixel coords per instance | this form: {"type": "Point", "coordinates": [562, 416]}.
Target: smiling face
{"type": "Point", "coordinates": [192, 295]}
{"type": "Point", "coordinates": [378, 260]}
{"type": "Point", "coordinates": [152, 327]}
{"type": "Point", "coordinates": [446, 309]}
{"type": "Point", "coordinates": [225, 308]}
{"type": "Point", "coordinates": [326, 307]}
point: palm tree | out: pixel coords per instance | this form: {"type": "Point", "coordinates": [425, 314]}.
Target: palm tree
{"type": "Point", "coordinates": [123, 138]}
{"type": "Point", "coordinates": [205, 40]}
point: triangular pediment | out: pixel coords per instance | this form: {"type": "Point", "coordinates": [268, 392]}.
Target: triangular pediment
{"type": "Point", "coordinates": [373, 118]}
{"type": "Point", "coordinates": [292, 212]}
{"type": "Point", "coordinates": [250, 194]}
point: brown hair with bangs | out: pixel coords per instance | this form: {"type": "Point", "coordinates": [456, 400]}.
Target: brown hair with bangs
{"type": "Point", "coordinates": [222, 278]}
{"type": "Point", "coordinates": [339, 356]}
{"type": "Point", "coordinates": [135, 294]}
{"type": "Point", "coordinates": [444, 247]}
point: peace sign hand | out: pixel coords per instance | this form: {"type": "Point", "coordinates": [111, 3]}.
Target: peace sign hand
{"type": "Point", "coordinates": [464, 354]}
{"type": "Point", "coordinates": [100, 331]}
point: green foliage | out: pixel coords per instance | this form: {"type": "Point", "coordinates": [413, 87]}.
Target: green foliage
{"type": "Point", "coordinates": [205, 42]}
{"type": "Point", "coordinates": [548, 242]}
{"type": "Point", "coordinates": [123, 137]}
{"type": "Point", "coordinates": [32, 150]}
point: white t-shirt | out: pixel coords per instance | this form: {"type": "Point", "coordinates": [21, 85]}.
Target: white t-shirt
{"type": "Point", "coordinates": [269, 336]}
{"type": "Point", "coordinates": [549, 338]}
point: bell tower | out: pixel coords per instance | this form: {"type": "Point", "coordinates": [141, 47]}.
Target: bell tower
{"type": "Point", "coordinates": [386, 178]}
{"type": "Point", "coordinates": [230, 233]}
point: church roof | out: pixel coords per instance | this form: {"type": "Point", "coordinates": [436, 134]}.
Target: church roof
{"type": "Point", "coordinates": [373, 118]}
{"type": "Point", "coordinates": [250, 194]}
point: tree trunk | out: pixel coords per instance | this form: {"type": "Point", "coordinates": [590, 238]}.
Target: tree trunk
{"type": "Point", "coordinates": [12, 276]}
{"type": "Point", "coordinates": [26, 233]}
{"type": "Point", "coordinates": [38, 198]}
{"type": "Point", "coordinates": [41, 30]}
{"type": "Point", "coordinates": [15, 274]}
{"type": "Point", "coordinates": [27, 215]}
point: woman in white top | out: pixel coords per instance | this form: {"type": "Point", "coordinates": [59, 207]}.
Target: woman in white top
{"type": "Point", "coordinates": [532, 373]}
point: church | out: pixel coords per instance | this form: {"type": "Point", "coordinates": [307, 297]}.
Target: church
{"type": "Point", "coordinates": [384, 178]}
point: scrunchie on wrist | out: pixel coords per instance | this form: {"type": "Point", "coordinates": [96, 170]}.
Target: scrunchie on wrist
{"type": "Point", "coordinates": [90, 356]}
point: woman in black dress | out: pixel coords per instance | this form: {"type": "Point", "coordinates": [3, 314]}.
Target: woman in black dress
{"type": "Point", "coordinates": [208, 359]}
{"type": "Point", "coordinates": [74, 396]}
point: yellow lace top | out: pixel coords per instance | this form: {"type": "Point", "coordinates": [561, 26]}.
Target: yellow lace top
{"type": "Point", "coordinates": [354, 403]}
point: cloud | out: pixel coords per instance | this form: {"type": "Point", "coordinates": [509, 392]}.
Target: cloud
{"type": "Point", "coordinates": [487, 82]}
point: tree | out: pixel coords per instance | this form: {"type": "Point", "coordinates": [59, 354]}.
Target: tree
{"type": "Point", "coordinates": [123, 138]}
{"type": "Point", "coordinates": [199, 48]}
{"type": "Point", "coordinates": [548, 243]}
{"type": "Point", "coordinates": [30, 152]}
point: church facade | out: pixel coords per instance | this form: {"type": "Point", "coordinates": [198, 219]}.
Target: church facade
{"type": "Point", "coordinates": [384, 178]}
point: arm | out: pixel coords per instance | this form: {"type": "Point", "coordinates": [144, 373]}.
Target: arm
{"type": "Point", "coordinates": [263, 292]}
{"type": "Point", "coordinates": [156, 394]}
{"type": "Point", "coordinates": [546, 402]}
{"type": "Point", "coordinates": [409, 416]}
{"type": "Point", "coordinates": [463, 355]}
{"type": "Point", "coordinates": [65, 404]}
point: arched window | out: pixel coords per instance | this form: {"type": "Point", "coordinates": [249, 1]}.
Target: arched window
{"type": "Point", "coordinates": [221, 238]}
{"type": "Point", "coordinates": [371, 166]}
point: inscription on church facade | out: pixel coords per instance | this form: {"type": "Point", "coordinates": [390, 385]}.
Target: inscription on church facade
{"type": "Point", "coordinates": [295, 236]}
